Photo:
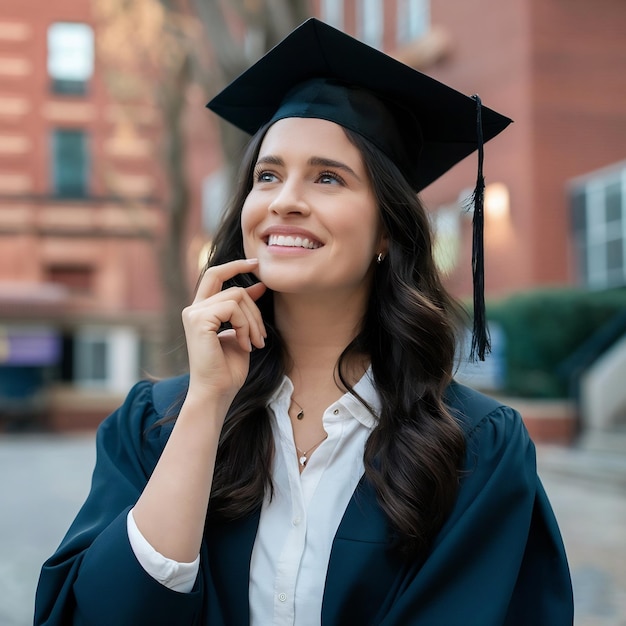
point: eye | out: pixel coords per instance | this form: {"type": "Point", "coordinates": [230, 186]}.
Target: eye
{"type": "Point", "coordinates": [330, 178]}
{"type": "Point", "coordinates": [264, 176]}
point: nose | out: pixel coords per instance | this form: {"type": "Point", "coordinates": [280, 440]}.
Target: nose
{"type": "Point", "coordinates": [289, 199]}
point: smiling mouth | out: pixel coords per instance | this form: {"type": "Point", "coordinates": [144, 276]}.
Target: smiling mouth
{"type": "Point", "coordinates": [287, 241]}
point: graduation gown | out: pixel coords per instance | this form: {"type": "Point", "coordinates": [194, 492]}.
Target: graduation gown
{"type": "Point", "coordinates": [498, 560]}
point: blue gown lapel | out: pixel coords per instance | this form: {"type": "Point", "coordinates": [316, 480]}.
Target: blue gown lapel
{"type": "Point", "coordinates": [229, 557]}
{"type": "Point", "coordinates": [363, 572]}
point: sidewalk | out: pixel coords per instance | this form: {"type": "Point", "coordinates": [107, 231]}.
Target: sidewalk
{"type": "Point", "coordinates": [46, 478]}
{"type": "Point", "coordinates": [599, 458]}
{"type": "Point", "coordinates": [587, 487]}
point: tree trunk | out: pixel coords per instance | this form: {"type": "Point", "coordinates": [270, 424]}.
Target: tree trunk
{"type": "Point", "coordinates": [172, 260]}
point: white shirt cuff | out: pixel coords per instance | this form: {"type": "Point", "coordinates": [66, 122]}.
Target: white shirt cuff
{"type": "Point", "coordinates": [172, 574]}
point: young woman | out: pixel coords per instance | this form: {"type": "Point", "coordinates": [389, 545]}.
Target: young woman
{"type": "Point", "coordinates": [318, 465]}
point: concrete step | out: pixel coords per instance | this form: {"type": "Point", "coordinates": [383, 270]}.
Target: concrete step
{"type": "Point", "coordinates": [611, 441]}
{"type": "Point", "coordinates": [598, 458]}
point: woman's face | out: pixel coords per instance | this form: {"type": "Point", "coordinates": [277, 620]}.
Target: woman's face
{"type": "Point", "coordinates": [311, 217]}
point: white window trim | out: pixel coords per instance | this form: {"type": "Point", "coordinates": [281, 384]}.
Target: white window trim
{"type": "Point", "coordinates": [413, 20]}
{"type": "Point", "coordinates": [70, 62]}
{"type": "Point", "coordinates": [122, 346]}
{"type": "Point", "coordinates": [332, 12]}
{"type": "Point", "coordinates": [371, 14]}
{"type": "Point", "coordinates": [598, 233]}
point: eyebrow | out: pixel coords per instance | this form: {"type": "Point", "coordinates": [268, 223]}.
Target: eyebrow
{"type": "Point", "coordinates": [271, 159]}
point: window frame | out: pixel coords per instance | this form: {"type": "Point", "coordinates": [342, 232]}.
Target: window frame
{"type": "Point", "coordinates": [63, 186]}
{"type": "Point", "coordinates": [332, 12]}
{"type": "Point", "coordinates": [85, 371]}
{"type": "Point", "coordinates": [371, 22]}
{"type": "Point", "coordinates": [70, 67]}
{"type": "Point", "coordinates": [593, 232]}
{"type": "Point", "coordinates": [121, 361]}
{"type": "Point", "coordinates": [413, 20]}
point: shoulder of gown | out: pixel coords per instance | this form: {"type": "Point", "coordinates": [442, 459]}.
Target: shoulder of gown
{"type": "Point", "coordinates": [499, 558]}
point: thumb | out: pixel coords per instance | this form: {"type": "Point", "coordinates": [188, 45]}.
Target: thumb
{"type": "Point", "coordinates": [256, 291]}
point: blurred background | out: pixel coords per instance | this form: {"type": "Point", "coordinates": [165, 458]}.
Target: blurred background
{"type": "Point", "coordinates": [113, 178]}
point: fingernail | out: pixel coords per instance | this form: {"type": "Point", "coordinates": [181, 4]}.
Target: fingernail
{"type": "Point", "coordinates": [252, 261]}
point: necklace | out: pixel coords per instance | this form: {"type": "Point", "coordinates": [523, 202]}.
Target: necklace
{"type": "Point", "coordinates": [304, 456]}
{"type": "Point", "coordinates": [300, 413]}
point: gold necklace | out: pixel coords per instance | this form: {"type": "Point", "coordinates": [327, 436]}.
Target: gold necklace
{"type": "Point", "coordinates": [303, 457]}
{"type": "Point", "coordinates": [300, 413]}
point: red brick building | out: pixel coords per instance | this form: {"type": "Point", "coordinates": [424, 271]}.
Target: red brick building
{"type": "Point", "coordinates": [555, 67]}
{"type": "Point", "coordinates": [79, 288]}
{"type": "Point", "coordinates": [79, 292]}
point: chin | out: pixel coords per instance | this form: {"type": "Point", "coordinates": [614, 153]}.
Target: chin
{"type": "Point", "coordinates": [282, 284]}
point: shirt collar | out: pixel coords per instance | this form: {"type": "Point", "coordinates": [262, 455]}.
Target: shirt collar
{"type": "Point", "coordinates": [364, 388]}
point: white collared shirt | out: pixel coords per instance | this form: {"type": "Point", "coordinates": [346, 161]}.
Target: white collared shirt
{"type": "Point", "coordinates": [297, 527]}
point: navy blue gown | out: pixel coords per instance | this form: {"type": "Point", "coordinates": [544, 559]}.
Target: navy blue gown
{"type": "Point", "coordinates": [497, 561]}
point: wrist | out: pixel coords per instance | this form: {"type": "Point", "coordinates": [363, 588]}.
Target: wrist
{"type": "Point", "coordinates": [207, 405]}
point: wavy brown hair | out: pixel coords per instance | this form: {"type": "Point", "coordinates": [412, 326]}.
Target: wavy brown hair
{"type": "Point", "coordinates": [413, 455]}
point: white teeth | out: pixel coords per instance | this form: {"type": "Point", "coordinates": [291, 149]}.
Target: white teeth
{"type": "Point", "coordinates": [288, 241]}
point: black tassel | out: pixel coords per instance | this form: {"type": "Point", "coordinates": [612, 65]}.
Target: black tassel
{"type": "Point", "coordinates": [480, 335]}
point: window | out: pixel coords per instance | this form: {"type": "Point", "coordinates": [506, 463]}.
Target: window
{"type": "Point", "coordinates": [413, 19]}
{"type": "Point", "coordinates": [371, 22]}
{"type": "Point", "coordinates": [598, 212]}
{"type": "Point", "coordinates": [332, 12]}
{"type": "Point", "coordinates": [69, 163]}
{"type": "Point", "coordinates": [106, 358]}
{"type": "Point", "coordinates": [91, 357]}
{"type": "Point", "coordinates": [70, 57]}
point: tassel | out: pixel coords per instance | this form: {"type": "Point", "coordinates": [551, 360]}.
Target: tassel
{"type": "Point", "coordinates": [480, 334]}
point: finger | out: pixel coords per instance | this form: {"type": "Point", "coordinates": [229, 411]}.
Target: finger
{"type": "Point", "coordinates": [228, 311]}
{"type": "Point", "coordinates": [254, 293]}
{"type": "Point", "coordinates": [246, 297]}
{"type": "Point", "coordinates": [255, 321]}
{"type": "Point", "coordinates": [214, 278]}
{"type": "Point", "coordinates": [240, 323]}
{"type": "Point", "coordinates": [242, 295]}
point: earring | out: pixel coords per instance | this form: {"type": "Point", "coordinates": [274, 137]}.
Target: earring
{"type": "Point", "coordinates": [380, 258]}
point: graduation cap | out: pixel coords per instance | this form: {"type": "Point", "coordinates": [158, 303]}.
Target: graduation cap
{"type": "Point", "coordinates": [422, 125]}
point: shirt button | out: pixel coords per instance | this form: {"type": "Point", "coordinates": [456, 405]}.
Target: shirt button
{"type": "Point", "coordinates": [296, 521]}
{"type": "Point", "coordinates": [336, 412]}
{"type": "Point", "coordinates": [282, 597]}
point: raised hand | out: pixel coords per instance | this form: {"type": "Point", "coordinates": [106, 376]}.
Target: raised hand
{"type": "Point", "coordinates": [171, 511]}
{"type": "Point", "coordinates": [219, 361]}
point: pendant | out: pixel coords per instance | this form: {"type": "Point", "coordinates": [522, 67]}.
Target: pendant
{"type": "Point", "coordinates": [300, 414]}
{"type": "Point", "coordinates": [303, 460]}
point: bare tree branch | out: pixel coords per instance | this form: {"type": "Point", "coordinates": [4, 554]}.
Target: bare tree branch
{"type": "Point", "coordinates": [155, 50]}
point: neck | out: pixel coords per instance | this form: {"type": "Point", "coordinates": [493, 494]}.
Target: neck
{"type": "Point", "coordinates": [316, 330]}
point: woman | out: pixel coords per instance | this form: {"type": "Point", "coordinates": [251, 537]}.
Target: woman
{"type": "Point", "coordinates": [347, 478]}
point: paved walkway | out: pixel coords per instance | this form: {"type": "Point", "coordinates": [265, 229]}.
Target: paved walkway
{"type": "Point", "coordinates": [587, 488]}
{"type": "Point", "coordinates": [46, 477]}
{"type": "Point", "coordinates": [44, 481]}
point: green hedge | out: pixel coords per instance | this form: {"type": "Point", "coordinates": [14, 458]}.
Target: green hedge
{"type": "Point", "coordinates": [543, 328]}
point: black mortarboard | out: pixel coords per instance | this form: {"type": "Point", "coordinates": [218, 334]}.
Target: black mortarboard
{"type": "Point", "coordinates": [424, 126]}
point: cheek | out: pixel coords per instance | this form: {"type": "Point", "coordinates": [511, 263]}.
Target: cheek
{"type": "Point", "coordinates": [368, 233]}
{"type": "Point", "coordinates": [248, 249]}
{"type": "Point", "coordinates": [247, 222]}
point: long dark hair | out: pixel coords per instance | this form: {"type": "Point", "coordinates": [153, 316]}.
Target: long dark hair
{"type": "Point", "coordinates": [413, 455]}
